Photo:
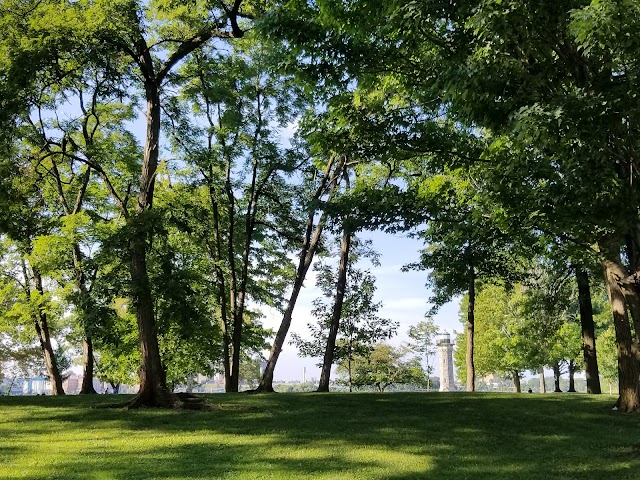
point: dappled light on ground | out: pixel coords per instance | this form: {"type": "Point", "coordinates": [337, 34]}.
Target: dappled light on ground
{"type": "Point", "coordinates": [335, 436]}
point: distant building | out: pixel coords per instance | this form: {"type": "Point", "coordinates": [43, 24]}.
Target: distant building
{"type": "Point", "coordinates": [36, 386]}
{"type": "Point", "coordinates": [72, 384]}
{"type": "Point", "coordinates": [445, 348]}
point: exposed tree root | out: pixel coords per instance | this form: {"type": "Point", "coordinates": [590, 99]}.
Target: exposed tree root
{"type": "Point", "coordinates": [178, 401]}
{"type": "Point", "coordinates": [260, 389]}
{"type": "Point", "coordinates": [626, 409]}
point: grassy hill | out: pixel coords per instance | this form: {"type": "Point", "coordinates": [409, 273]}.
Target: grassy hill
{"type": "Point", "coordinates": [331, 436]}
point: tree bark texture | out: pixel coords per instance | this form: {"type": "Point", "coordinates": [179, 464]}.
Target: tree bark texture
{"type": "Point", "coordinates": [628, 372]}
{"type": "Point", "coordinates": [329, 352]}
{"type": "Point", "coordinates": [572, 380]}
{"type": "Point", "coordinates": [588, 333]}
{"type": "Point", "coordinates": [42, 329]}
{"type": "Point", "coordinates": [516, 381]}
{"type": "Point", "coordinates": [543, 385]}
{"type": "Point", "coordinates": [556, 378]}
{"type": "Point", "coordinates": [153, 388]}
{"type": "Point", "coordinates": [470, 326]}
{"type": "Point", "coordinates": [87, 367]}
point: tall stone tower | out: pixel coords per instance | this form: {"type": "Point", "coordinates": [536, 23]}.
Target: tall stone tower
{"type": "Point", "coordinates": [445, 348]}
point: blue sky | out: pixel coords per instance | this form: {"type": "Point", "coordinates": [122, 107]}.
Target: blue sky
{"type": "Point", "coordinates": [403, 294]}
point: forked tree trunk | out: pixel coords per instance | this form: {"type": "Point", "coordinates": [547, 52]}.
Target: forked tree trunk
{"type": "Point", "coordinates": [629, 398]}
{"type": "Point", "coordinates": [42, 329]}
{"type": "Point", "coordinates": [329, 352]}
{"type": "Point", "coordinates": [470, 326]}
{"type": "Point", "coordinates": [309, 246]}
{"type": "Point", "coordinates": [153, 386]}
{"type": "Point", "coordinates": [516, 381]}
{"type": "Point", "coordinates": [588, 333]}
{"type": "Point", "coordinates": [543, 384]}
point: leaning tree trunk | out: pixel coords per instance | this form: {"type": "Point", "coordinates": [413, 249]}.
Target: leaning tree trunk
{"type": "Point", "coordinates": [309, 246]}
{"type": "Point", "coordinates": [588, 333]}
{"type": "Point", "coordinates": [572, 381]}
{"type": "Point", "coordinates": [543, 384]}
{"type": "Point", "coordinates": [325, 374]}
{"type": "Point", "coordinates": [516, 381]}
{"type": "Point", "coordinates": [470, 326]}
{"type": "Point", "coordinates": [556, 378]}
{"type": "Point", "coordinates": [628, 372]}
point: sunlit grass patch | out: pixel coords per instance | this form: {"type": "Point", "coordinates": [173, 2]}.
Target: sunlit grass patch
{"type": "Point", "coordinates": [335, 436]}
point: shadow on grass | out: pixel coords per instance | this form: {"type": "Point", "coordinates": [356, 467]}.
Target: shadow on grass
{"type": "Point", "coordinates": [396, 436]}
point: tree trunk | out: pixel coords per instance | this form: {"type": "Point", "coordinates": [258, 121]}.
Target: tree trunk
{"type": "Point", "coordinates": [471, 372]}
{"type": "Point", "coordinates": [153, 387]}
{"type": "Point", "coordinates": [556, 378]}
{"type": "Point", "coordinates": [84, 303]}
{"type": "Point", "coordinates": [588, 333]}
{"type": "Point", "coordinates": [306, 257]}
{"type": "Point", "coordinates": [87, 367]}
{"type": "Point", "coordinates": [543, 385]}
{"type": "Point", "coordinates": [629, 399]}
{"type": "Point", "coordinates": [516, 381]}
{"type": "Point", "coordinates": [337, 312]}
{"type": "Point", "coordinates": [240, 294]}
{"type": "Point", "coordinates": [233, 281]}
{"type": "Point", "coordinates": [42, 329]}
{"type": "Point", "coordinates": [572, 382]}
{"type": "Point", "coordinates": [222, 289]}
{"type": "Point", "coordinates": [309, 247]}
{"type": "Point", "coordinates": [87, 342]}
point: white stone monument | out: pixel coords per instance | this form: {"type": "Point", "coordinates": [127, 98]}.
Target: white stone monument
{"type": "Point", "coordinates": [445, 347]}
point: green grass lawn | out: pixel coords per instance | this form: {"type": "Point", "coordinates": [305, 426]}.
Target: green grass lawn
{"type": "Point", "coordinates": [323, 436]}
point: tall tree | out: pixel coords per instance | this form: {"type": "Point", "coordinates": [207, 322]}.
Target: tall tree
{"type": "Point", "coordinates": [385, 366]}
{"type": "Point", "coordinates": [423, 337]}
{"type": "Point", "coordinates": [466, 242]}
{"type": "Point", "coordinates": [360, 327]}
{"type": "Point", "coordinates": [235, 149]}
{"type": "Point", "coordinates": [310, 243]}
{"type": "Point", "coordinates": [151, 40]}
